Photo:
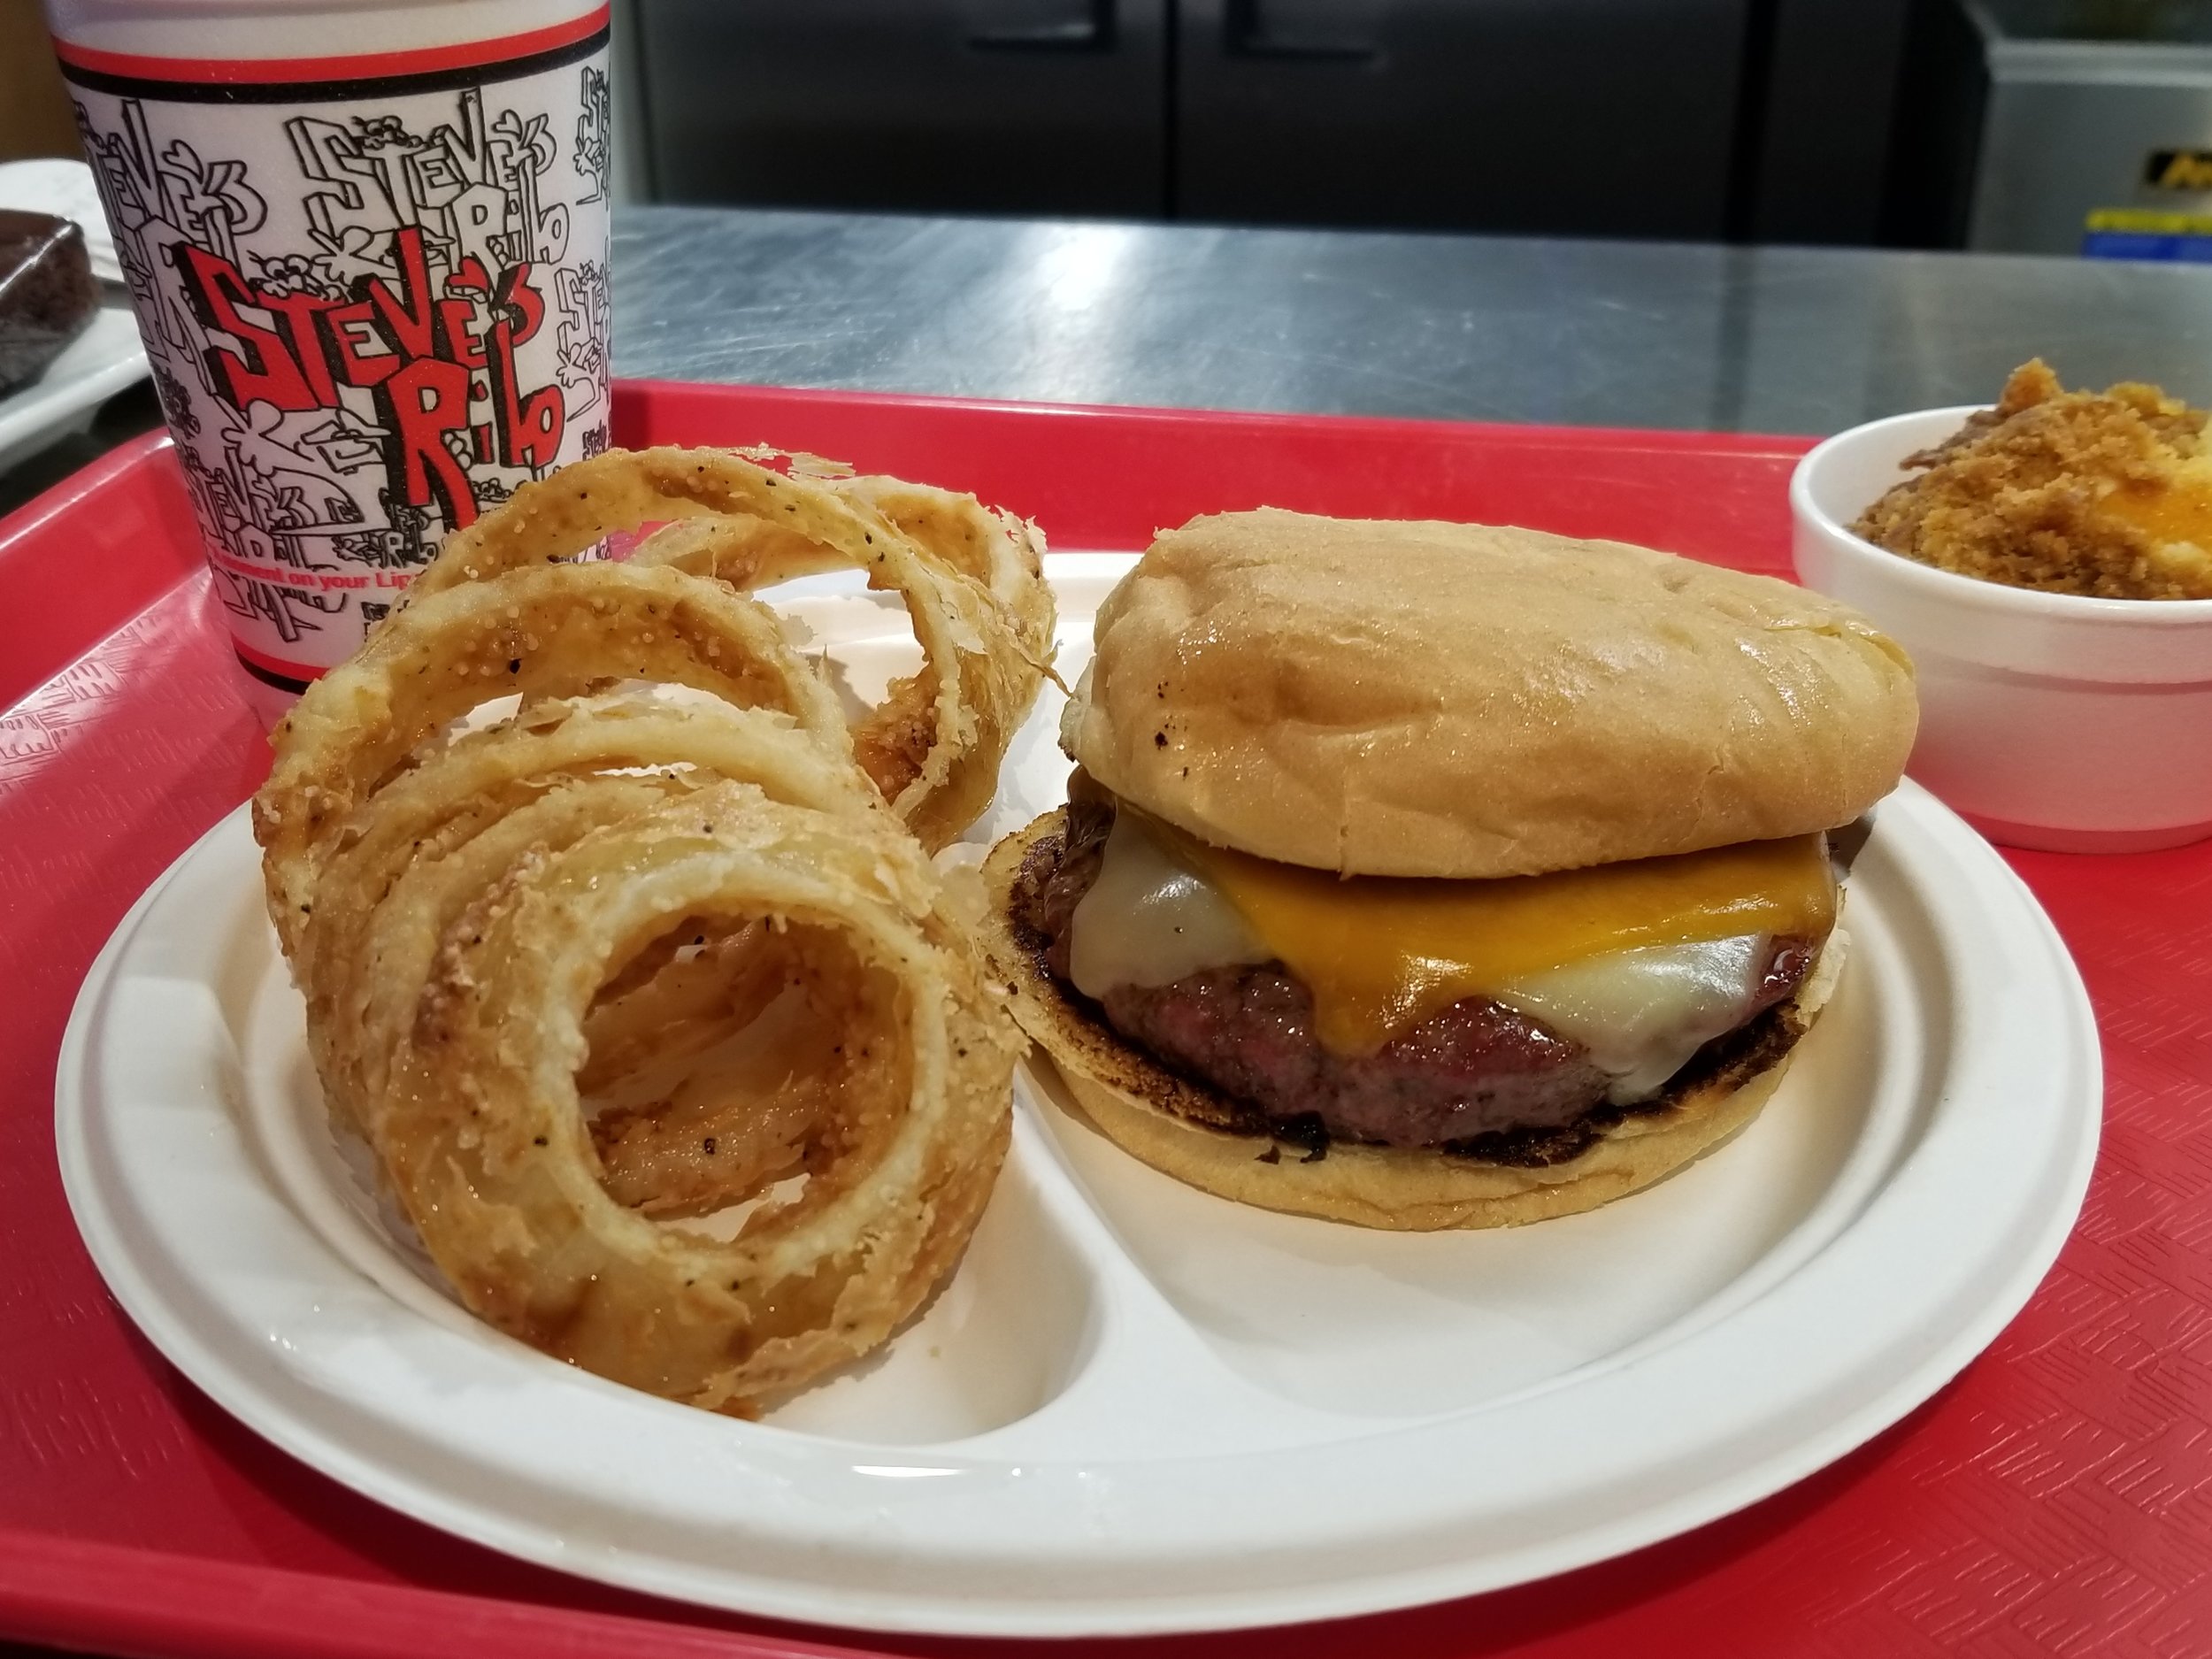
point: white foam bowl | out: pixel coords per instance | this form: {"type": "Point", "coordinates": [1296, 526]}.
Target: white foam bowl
{"type": "Point", "coordinates": [2048, 720]}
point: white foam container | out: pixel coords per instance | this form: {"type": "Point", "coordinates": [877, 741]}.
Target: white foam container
{"type": "Point", "coordinates": [2047, 720]}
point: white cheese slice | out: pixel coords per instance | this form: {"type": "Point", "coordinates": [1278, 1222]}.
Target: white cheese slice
{"type": "Point", "coordinates": [1642, 1013]}
{"type": "Point", "coordinates": [1150, 920]}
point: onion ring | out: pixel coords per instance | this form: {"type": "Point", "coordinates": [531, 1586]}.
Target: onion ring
{"type": "Point", "coordinates": [362, 1003]}
{"type": "Point", "coordinates": [555, 518]}
{"type": "Point", "coordinates": [1002, 550]}
{"type": "Point", "coordinates": [486, 1143]}
{"type": "Point", "coordinates": [427, 814]}
{"type": "Point", "coordinates": [971, 579]}
{"type": "Point", "coordinates": [414, 855]}
{"type": "Point", "coordinates": [752, 1127]}
{"type": "Point", "coordinates": [935, 746]}
{"type": "Point", "coordinates": [675, 998]}
{"type": "Point", "coordinates": [550, 633]}
{"type": "Point", "coordinates": [741, 1073]}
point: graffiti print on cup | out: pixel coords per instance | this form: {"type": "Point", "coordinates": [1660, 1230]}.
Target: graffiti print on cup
{"type": "Point", "coordinates": [373, 308]}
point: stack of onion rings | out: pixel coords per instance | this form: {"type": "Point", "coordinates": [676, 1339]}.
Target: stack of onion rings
{"type": "Point", "coordinates": [971, 579]}
{"type": "Point", "coordinates": [619, 962]}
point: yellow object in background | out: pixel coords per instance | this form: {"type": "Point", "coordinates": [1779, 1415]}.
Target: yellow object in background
{"type": "Point", "coordinates": [2149, 222]}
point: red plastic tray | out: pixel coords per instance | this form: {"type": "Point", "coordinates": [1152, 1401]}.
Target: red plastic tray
{"type": "Point", "coordinates": [2056, 1499]}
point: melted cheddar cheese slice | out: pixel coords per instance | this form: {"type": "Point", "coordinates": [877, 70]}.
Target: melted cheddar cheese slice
{"type": "Point", "coordinates": [1382, 954]}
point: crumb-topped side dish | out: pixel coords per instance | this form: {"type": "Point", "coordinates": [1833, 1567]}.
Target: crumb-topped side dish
{"type": "Point", "coordinates": [2105, 494]}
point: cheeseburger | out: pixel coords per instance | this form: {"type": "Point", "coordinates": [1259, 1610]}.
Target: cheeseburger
{"type": "Point", "coordinates": [1430, 875]}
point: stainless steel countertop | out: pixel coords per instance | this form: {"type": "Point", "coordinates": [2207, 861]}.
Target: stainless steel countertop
{"type": "Point", "coordinates": [1582, 332]}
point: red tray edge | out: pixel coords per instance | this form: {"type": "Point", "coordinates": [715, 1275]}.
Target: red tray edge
{"type": "Point", "coordinates": [61, 607]}
{"type": "Point", "coordinates": [84, 1595]}
{"type": "Point", "coordinates": [59, 498]}
{"type": "Point", "coordinates": [1512, 432]}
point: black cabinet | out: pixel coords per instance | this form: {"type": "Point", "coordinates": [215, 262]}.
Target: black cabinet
{"type": "Point", "coordinates": [993, 106]}
{"type": "Point", "coordinates": [1566, 116]}
{"type": "Point", "coordinates": [1592, 117]}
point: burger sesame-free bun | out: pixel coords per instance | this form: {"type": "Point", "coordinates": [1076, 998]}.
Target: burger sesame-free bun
{"type": "Point", "coordinates": [1171, 1122]}
{"type": "Point", "coordinates": [1387, 698]}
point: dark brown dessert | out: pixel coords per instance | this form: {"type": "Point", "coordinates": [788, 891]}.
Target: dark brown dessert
{"type": "Point", "coordinates": [48, 293]}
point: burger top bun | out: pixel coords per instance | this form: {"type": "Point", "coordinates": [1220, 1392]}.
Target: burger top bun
{"type": "Point", "coordinates": [1398, 698]}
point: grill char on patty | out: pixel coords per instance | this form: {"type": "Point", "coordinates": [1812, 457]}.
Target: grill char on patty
{"type": "Point", "coordinates": [1479, 1076]}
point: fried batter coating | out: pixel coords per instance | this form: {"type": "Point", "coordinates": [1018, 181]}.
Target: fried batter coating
{"type": "Point", "coordinates": [2105, 494]}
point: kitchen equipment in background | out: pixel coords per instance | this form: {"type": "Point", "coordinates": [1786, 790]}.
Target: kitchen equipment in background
{"type": "Point", "coordinates": [1693, 119]}
{"type": "Point", "coordinates": [2058, 127]}
{"type": "Point", "coordinates": [1612, 117]}
{"type": "Point", "coordinates": [999, 106]}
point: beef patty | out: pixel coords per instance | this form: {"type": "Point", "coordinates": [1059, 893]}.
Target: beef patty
{"type": "Point", "coordinates": [1479, 1075]}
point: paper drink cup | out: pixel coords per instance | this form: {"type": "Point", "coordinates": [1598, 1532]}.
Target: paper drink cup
{"type": "Point", "coordinates": [367, 249]}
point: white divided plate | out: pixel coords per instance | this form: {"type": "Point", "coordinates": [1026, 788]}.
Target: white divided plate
{"type": "Point", "coordinates": [1135, 1407]}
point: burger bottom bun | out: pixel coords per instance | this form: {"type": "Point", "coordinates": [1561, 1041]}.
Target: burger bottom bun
{"type": "Point", "coordinates": [1163, 1117]}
